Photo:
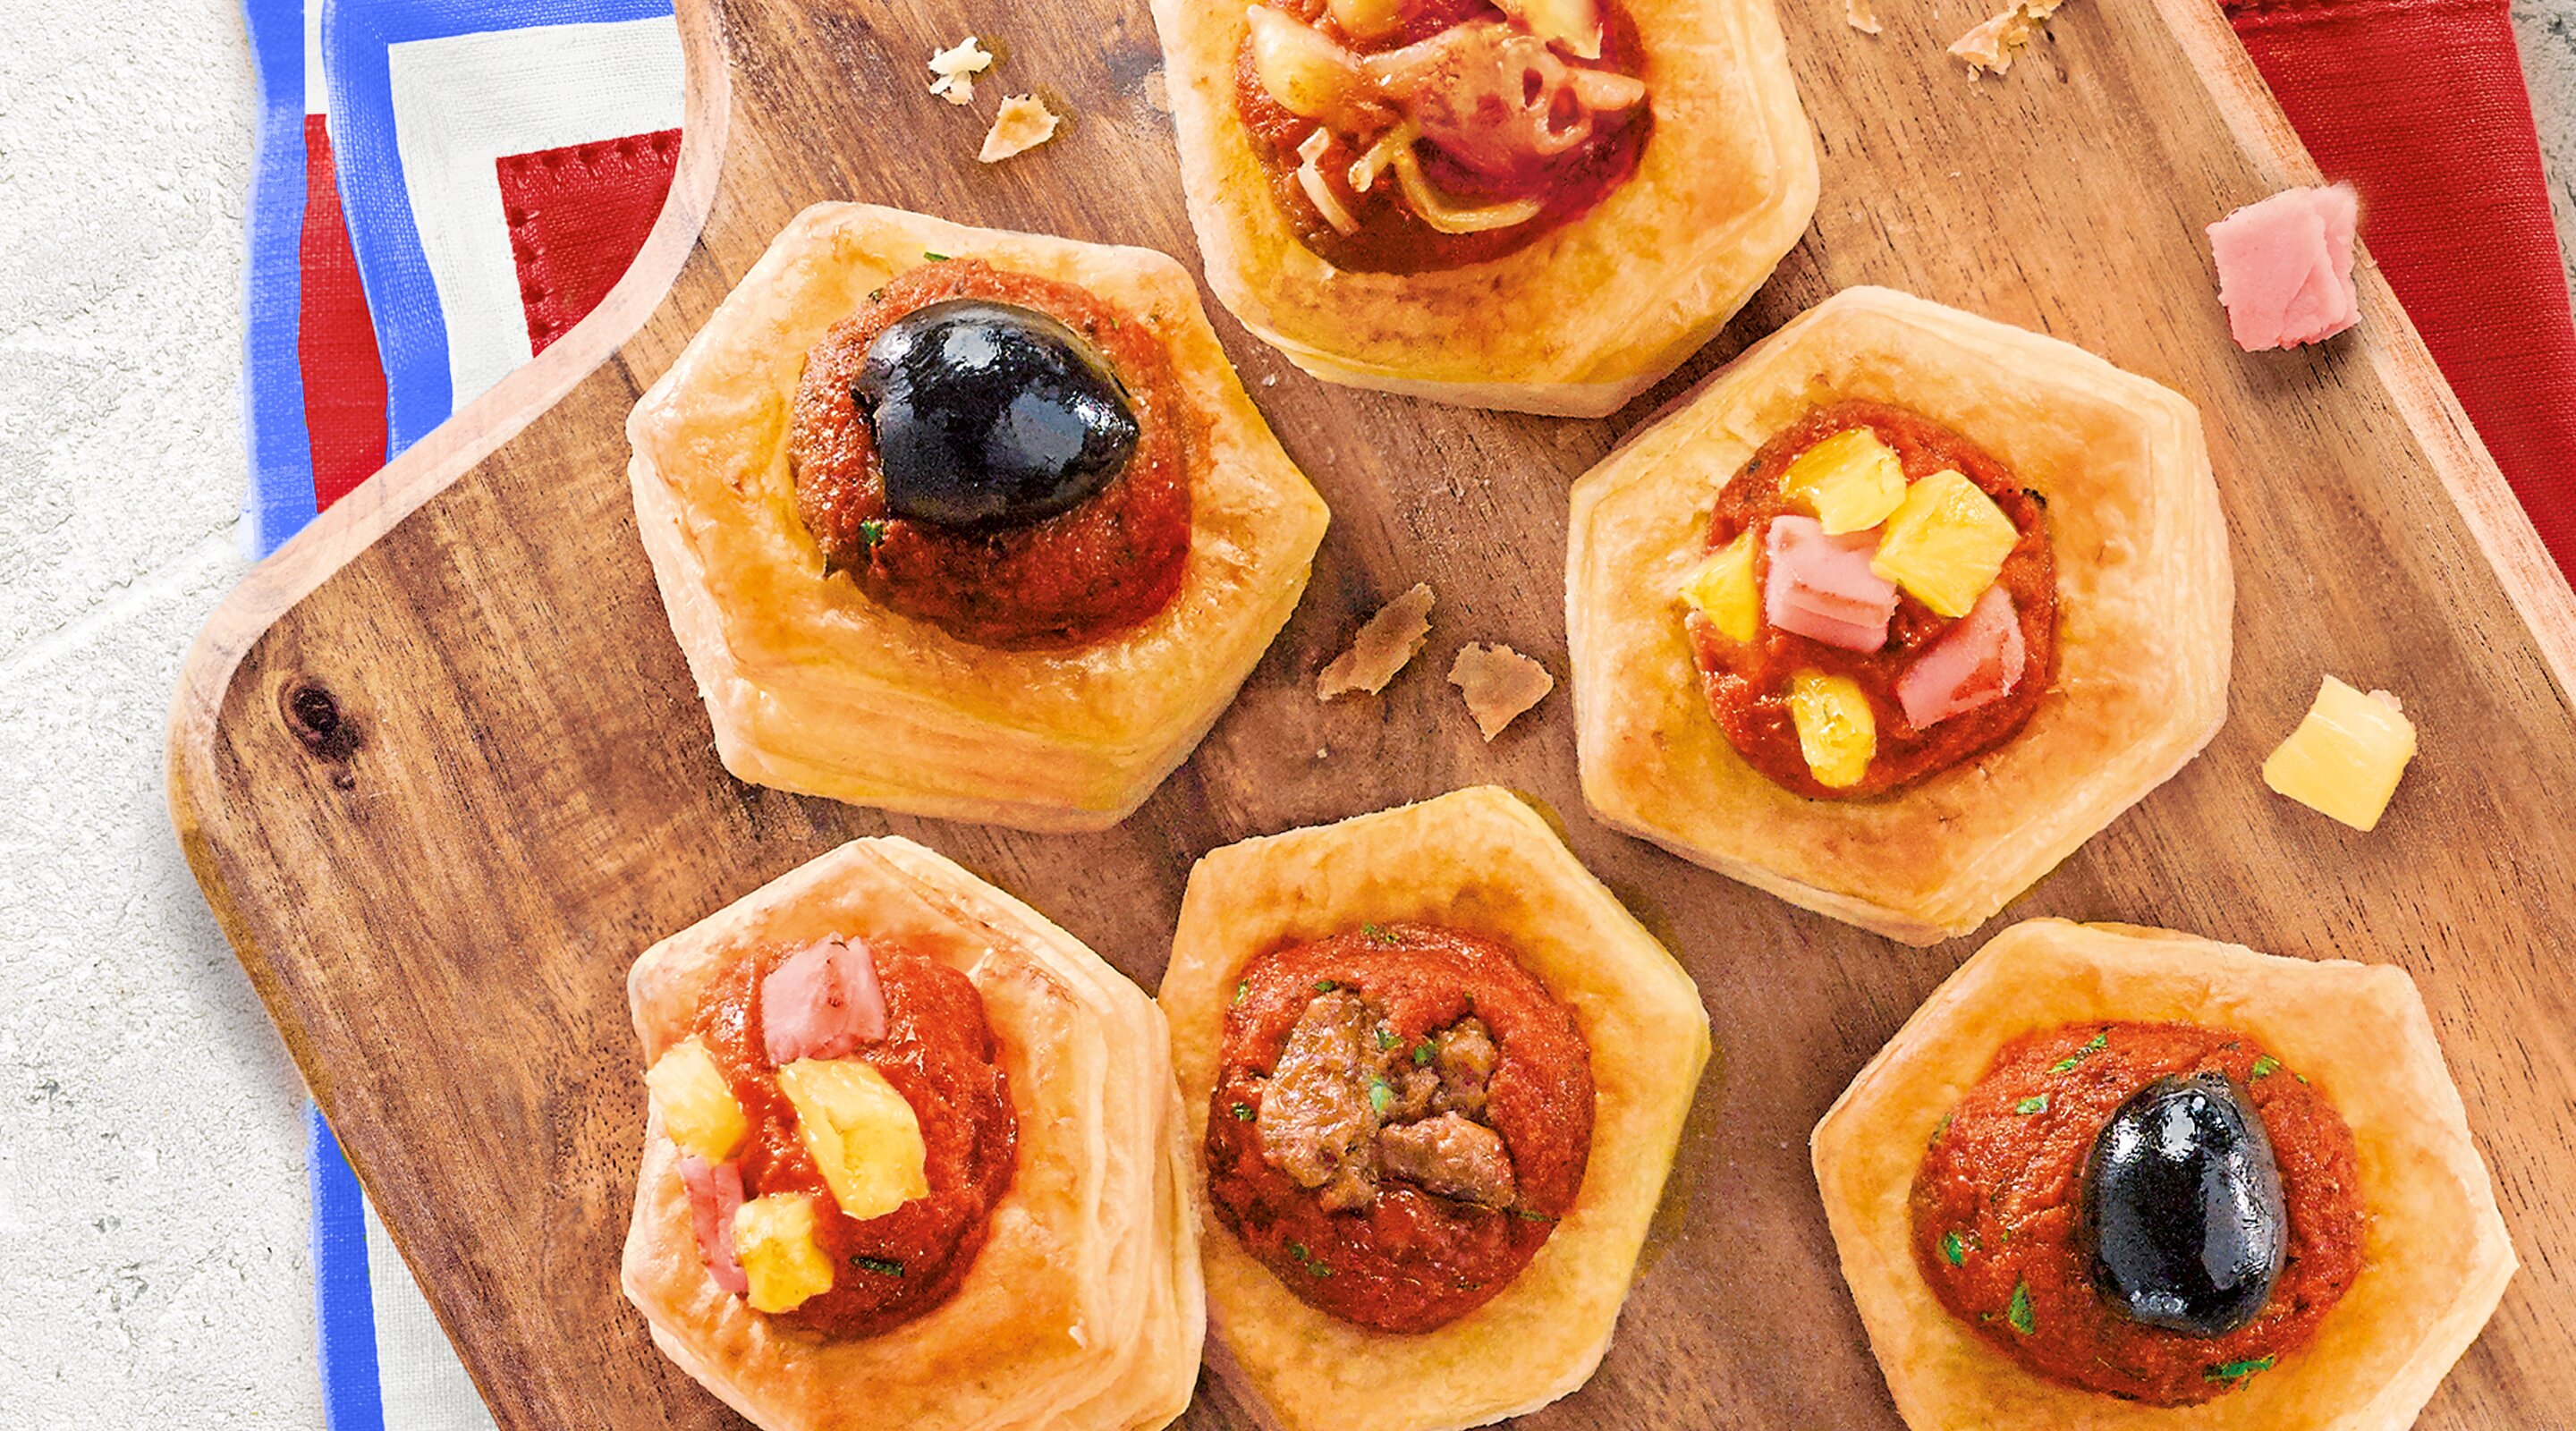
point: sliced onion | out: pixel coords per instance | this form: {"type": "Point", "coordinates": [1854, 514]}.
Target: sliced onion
{"type": "Point", "coordinates": [1366, 169]}
{"type": "Point", "coordinates": [1606, 91]}
{"type": "Point", "coordinates": [1367, 19]}
{"type": "Point", "coordinates": [1298, 65]}
{"type": "Point", "coordinates": [1436, 209]}
{"type": "Point", "coordinates": [1311, 179]}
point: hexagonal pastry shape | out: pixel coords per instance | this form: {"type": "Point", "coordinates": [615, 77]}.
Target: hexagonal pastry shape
{"type": "Point", "coordinates": [1482, 863]}
{"type": "Point", "coordinates": [2144, 597]}
{"type": "Point", "coordinates": [2434, 1256]}
{"type": "Point", "coordinates": [1081, 1309]}
{"type": "Point", "coordinates": [813, 685]}
{"type": "Point", "coordinates": [1579, 320]}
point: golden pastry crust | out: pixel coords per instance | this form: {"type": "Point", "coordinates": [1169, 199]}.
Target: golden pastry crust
{"type": "Point", "coordinates": [1580, 321]}
{"type": "Point", "coordinates": [2435, 1261]}
{"type": "Point", "coordinates": [1482, 861]}
{"type": "Point", "coordinates": [813, 686]}
{"type": "Point", "coordinates": [2145, 595]}
{"type": "Point", "coordinates": [1084, 1309]}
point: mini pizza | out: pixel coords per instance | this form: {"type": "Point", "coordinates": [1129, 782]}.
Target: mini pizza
{"type": "Point", "coordinates": [965, 523]}
{"type": "Point", "coordinates": [1896, 611]}
{"type": "Point", "coordinates": [1436, 1073]}
{"type": "Point", "coordinates": [2125, 1180]}
{"type": "Point", "coordinates": [912, 1159]}
{"type": "Point", "coordinates": [1532, 204]}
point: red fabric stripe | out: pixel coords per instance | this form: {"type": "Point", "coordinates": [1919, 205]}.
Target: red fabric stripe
{"type": "Point", "coordinates": [577, 217]}
{"type": "Point", "coordinates": [2421, 104]}
{"type": "Point", "coordinates": [335, 340]}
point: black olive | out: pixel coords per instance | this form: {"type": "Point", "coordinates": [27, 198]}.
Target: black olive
{"type": "Point", "coordinates": [2181, 1214]}
{"type": "Point", "coordinates": [991, 415]}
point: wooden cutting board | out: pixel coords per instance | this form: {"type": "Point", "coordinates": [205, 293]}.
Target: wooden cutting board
{"type": "Point", "coordinates": [442, 772]}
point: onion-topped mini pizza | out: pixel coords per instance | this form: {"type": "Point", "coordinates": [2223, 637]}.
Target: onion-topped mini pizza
{"type": "Point", "coordinates": [2130, 1180]}
{"type": "Point", "coordinates": [1532, 204]}
{"type": "Point", "coordinates": [1436, 1073]}
{"type": "Point", "coordinates": [1896, 611]}
{"type": "Point", "coordinates": [965, 523]}
{"type": "Point", "coordinates": [912, 1159]}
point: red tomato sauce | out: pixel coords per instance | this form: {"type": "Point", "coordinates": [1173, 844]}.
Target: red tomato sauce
{"type": "Point", "coordinates": [1996, 1203]}
{"type": "Point", "coordinates": [1070, 580]}
{"type": "Point", "coordinates": [1391, 238]}
{"type": "Point", "coordinates": [1410, 1261]}
{"type": "Point", "coordinates": [938, 1053]}
{"type": "Point", "coordinates": [1748, 685]}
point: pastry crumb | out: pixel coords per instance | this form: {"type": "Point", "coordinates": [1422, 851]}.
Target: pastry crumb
{"type": "Point", "coordinates": [1158, 91]}
{"type": "Point", "coordinates": [1385, 645]}
{"type": "Point", "coordinates": [1993, 45]}
{"type": "Point", "coordinates": [1859, 15]}
{"type": "Point", "coordinates": [953, 70]}
{"type": "Point", "coordinates": [1022, 124]}
{"type": "Point", "coordinates": [1499, 683]}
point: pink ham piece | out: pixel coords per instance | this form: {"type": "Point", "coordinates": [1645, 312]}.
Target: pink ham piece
{"type": "Point", "coordinates": [1976, 662]}
{"type": "Point", "coordinates": [823, 1002]}
{"type": "Point", "coordinates": [1821, 587]}
{"type": "Point", "coordinates": [2285, 267]}
{"type": "Point", "coordinates": [714, 1193]}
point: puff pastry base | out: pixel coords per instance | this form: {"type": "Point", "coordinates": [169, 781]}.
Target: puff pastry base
{"type": "Point", "coordinates": [1084, 1311]}
{"type": "Point", "coordinates": [1580, 321]}
{"type": "Point", "coordinates": [812, 686]}
{"type": "Point", "coordinates": [1482, 861]}
{"type": "Point", "coordinates": [2145, 595]}
{"type": "Point", "coordinates": [2436, 1258]}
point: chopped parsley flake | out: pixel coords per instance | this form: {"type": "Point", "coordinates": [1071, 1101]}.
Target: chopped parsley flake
{"type": "Point", "coordinates": [2019, 1312]}
{"type": "Point", "coordinates": [934, 257]}
{"type": "Point", "coordinates": [2239, 1370]}
{"type": "Point", "coordinates": [871, 532]}
{"type": "Point", "coordinates": [1242, 990]}
{"type": "Point", "coordinates": [2037, 1103]}
{"type": "Point", "coordinates": [1381, 1097]}
{"type": "Point", "coordinates": [1243, 1112]}
{"type": "Point", "coordinates": [2264, 1067]}
{"type": "Point", "coordinates": [882, 1266]}
{"type": "Point", "coordinates": [1377, 934]}
{"type": "Point", "coordinates": [1525, 1215]}
{"type": "Point", "coordinates": [1944, 1127]}
{"type": "Point", "coordinates": [1954, 1249]}
{"type": "Point", "coordinates": [1422, 1054]}
{"type": "Point", "coordinates": [1297, 1253]}
{"type": "Point", "coordinates": [1326, 986]}
{"type": "Point", "coordinates": [1386, 1038]}
{"type": "Point", "coordinates": [2067, 1064]}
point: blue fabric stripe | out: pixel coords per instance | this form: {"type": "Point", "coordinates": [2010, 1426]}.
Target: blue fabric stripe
{"type": "Point", "coordinates": [279, 500]}
{"type": "Point", "coordinates": [343, 1306]}
{"type": "Point", "coordinates": [411, 327]}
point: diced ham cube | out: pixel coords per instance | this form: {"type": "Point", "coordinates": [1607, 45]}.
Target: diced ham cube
{"type": "Point", "coordinates": [714, 1192]}
{"type": "Point", "coordinates": [1821, 586]}
{"type": "Point", "coordinates": [2285, 267]}
{"type": "Point", "coordinates": [822, 1002]}
{"type": "Point", "coordinates": [1976, 662]}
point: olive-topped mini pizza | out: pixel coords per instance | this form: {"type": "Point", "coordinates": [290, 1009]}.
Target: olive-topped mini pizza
{"type": "Point", "coordinates": [912, 1158]}
{"type": "Point", "coordinates": [965, 523]}
{"type": "Point", "coordinates": [1896, 611]}
{"type": "Point", "coordinates": [1436, 1073]}
{"type": "Point", "coordinates": [2126, 1179]}
{"type": "Point", "coordinates": [1532, 204]}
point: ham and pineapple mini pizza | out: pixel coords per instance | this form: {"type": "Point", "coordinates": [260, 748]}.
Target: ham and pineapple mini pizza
{"type": "Point", "coordinates": [1896, 611]}
{"type": "Point", "coordinates": [912, 1159]}
{"type": "Point", "coordinates": [1435, 1073]}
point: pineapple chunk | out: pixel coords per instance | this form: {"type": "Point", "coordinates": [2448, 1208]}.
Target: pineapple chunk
{"type": "Point", "coordinates": [1945, 543]}
{"type": "Point", "coordinates": [1836, 731]}
{"type": "Point", "coordinates": [697, 1104]}
{"type": "Point", "coordinates": [1722, 589]}
{"type": "Point", "coordinates": [2344, 760]}
{"type": "Point", "coordinates": [1851, 481]}
{"type": "Point", "coordinates": [774, 1239]}
{"type": "Point", "coordinates": [863, 1135]}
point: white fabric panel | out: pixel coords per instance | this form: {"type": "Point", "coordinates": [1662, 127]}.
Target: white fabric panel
{"type": "Point", "coordinates": [465, 101]}
{"type": "Point", "coordinates": [423, 1386]}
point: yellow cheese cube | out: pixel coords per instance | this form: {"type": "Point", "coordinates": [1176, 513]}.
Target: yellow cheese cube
{"type": "Point", "coordinates": [2344, 760]}
{"type": "Point", "coordinates": [1851, 481]}
{"type": "Point", "coordinates": [863, 1135]}
{"type": "Point", "coordinates": [1721, 589]}
{"type": "Point", "coordinates": [697, 1104]}
{"type": "Point", "coordinates": [773, 1237]}
{"type": "Point", "coordinates": [1945, 543]}
{"type": "Point", "coordinates": [1836, 731]}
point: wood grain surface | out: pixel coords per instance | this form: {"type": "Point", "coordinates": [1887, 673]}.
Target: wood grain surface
{"type": "Point", "coordinates": [442, 773]}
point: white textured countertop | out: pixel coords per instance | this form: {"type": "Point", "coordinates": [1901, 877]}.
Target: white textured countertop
{"type": "Point", "coordinates": [153, 1269]}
